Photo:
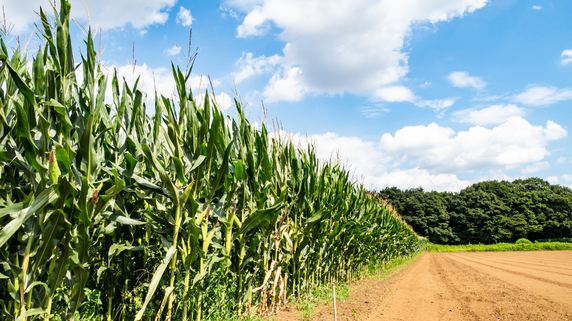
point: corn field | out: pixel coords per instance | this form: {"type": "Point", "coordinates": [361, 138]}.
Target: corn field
{"type": "Point", "coordinates": [110, 213]}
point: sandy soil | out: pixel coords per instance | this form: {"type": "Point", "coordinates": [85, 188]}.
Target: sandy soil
{"type": "Point", "coordinates": [463, 286]}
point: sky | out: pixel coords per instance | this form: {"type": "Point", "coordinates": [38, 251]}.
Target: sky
{"type": "Point", "coordinates": [438, 94]}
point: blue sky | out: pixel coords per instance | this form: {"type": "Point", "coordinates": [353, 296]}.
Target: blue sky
{"type": "Point", "coordinates": [432, 93]}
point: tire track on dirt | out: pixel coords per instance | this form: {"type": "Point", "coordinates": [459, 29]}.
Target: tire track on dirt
{"type": "Point", "coordinates": [544, 290]}
{"type": "Point", "coordinates": [516, 264]}
{"type": "Point", "coordinates": [444, 287]}
{"type": "Point", "coordinates": [563, 263]}
{"type": "Point", "coordinates": [527, 275]}
{"type": "Point", "coordinates": [492, 298]}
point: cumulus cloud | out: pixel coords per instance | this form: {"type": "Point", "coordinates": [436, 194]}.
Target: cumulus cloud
{"type": "Point", "coordinates": [149, 79]}
{"type": "Point", "coordinates": [412, 178]}
{"type": "Point", "coordinates": [462, 79]}
{"type": "Point", "coordinates": [496, 114]}
{"type": "Point", "coordinates": [543, 96]}
{"type": "Point", "coordinates": [556, 179]}
{"type": "Point", "coordinates": [440, 149]}
{"type": "Point", "coordinates": [184, 17]}
{"type": "Point", "coordinates": [108, 14]}
{"type": "Point", "coordinates": [285, 85]}
{"type": "Point", "coordinates": [431, 156]}
{"type": "Point", "coordinates": [536, 167]}
{"type": "Point", "coordinates": [366, 160]}
{"type": "Point", "coordinates": [342, 45]}
{"type": "Point", "coordinates": [160, 79]}
{"type": "Point", "coordinates": [250, 66]}
{"type": "Point", "coordinates": [552, 179]}
{"type": "Point", "coordinates": [566, 56]}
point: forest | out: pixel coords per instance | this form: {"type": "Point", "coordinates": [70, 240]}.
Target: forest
{"type": "Point", "coordinates": [487, 212]}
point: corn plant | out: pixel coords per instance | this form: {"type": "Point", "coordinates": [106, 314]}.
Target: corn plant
{"type": "Point", "coordinates": [109, 213]}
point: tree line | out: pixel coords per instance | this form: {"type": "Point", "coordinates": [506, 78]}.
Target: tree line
{"type": "Point", "coordinates": [487, 212]}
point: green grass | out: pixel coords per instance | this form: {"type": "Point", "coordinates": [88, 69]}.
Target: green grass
{"type": "Point", "coordinates": [499, 247]}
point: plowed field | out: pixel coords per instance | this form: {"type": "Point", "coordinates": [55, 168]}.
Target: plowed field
{"type": "Point", "coordinates": [462, 286]}
{"type": "Point", "coordinates": [482, 286]}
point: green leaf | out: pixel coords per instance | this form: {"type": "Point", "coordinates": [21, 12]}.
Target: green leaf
{"type": "Point", "coordinates": [63, 159]}
{"type": "Point", "coordinates": [140, 180]}
{"type": "Point", "coordinates": [198, 162]}
{"type": "Point", "coordinates": [115, 249]}
{"type": "Point", "coordinates": [162, 174]}
{"type": "Point", "coordinates": [30, 313]}
{"type": "Point", "coordinates": [258, 217]}
{"type": "Point", "coordinates": [238, 170]}
{"type": "Point", "coordinates": [22, 86]}
{"type": "Point", "coordinates": [317, 216]}
{"type": "Point", "coordinates": [50, 237]}
{"type": "Point", "coordinates": [155, 281]}
{"type": "Point", "coordinates": [47, 196]}
{"type": "Point", "coordinates": [124, 220]}
{"type": "Point", "coordinates": [10, 210]}
{"type": "Point", "coordinates": [179, 169]}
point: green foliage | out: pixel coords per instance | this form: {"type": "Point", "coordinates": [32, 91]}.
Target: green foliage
{"type": "Point", "coordinates": [499, 247]}
{"type": "Point", "coordinates": [107, 212]}
{"type": "Point", "coordinates": [560, 239]}
{"type": "Point", "coordinates": [487, 212]}
{"type": "Point", "coordinates": [523, 241]}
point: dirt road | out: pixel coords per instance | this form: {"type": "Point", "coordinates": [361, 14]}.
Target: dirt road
{"type": "Point", "coordinates": [482, 286]}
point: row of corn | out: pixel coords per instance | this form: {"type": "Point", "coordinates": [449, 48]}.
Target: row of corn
{"type": "Point", "coordinates": [108, 213]}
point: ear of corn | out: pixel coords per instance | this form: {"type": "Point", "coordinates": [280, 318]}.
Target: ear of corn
{"type": "Point", "coordinates": [109, 213]}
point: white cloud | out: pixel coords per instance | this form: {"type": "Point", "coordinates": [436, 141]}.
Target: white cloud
{"type": "Point", "coordinates": [173, 51]}
{"type": "Point", "coordinates": [437, 104]}
{"type": "Point", "coordinates": [184, 17]}
{"type": "Point", "coordinates": [440, 149]}
{"type": "Point", "coordinates": [222, 100]}
{"type": "Point", "coordinates": [435, 154]}
{"type": "Point", "coordinates": [250, 66]}
{"type": "Point", "coordinates": [365, 159]}
{"type": "Point", "coordinates": [542, 96]}
{"type": "Point", "coordinates": [561, 160]}
{"type": "Point", "coordinates": [149, 79]}
{"type": "Point", "coordinates": [566, 56]}
{"type": "Point", "coordinates": [555, 179]}
{"type": "Point", "coordinates": [285, 85]}
{"type": "Point", "coordinates": [496, 114]}
{"type": "Point", "coordinates": [403, 94]}
{"type": "Point", "coordinates": [537, 7]}
{"type": "Point", "coordinates": [162, 80]}
{"type": "Point", "coordinates": [225, 8]}
{"type": "Point", "coordinates": [412, 178]}
{"type": "Point", "coordinates": [343, 45]}
{"type": "Point", "coordinates": [536, 167]}
{"type": "Point", "coordinates": [497, 174]}
{"type": "Point", "coordinates": [552, 179]}
{"type": "Point", "coordinates": [462, 79]}
{"type": "Point", "coordinates": [374, 111]}
{"type": "Point", "coordinates": [107, 14]}
{"type": "Point", "coordinates": [395, 94]}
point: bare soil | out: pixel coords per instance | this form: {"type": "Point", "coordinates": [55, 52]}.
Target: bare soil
{"type": "Point", "coordinates": [462, 286]}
